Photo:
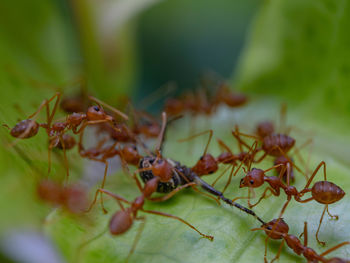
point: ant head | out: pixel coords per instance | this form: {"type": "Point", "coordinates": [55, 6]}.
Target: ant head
{"type": "Point", "coordinates": [205, 165]}
{"type": "Point", "coordinates": [253, 178]}
{"type": "Point", "coordinates": [163, 169]}
{"type": "Point", "coordinates": [95, 113]}
{"type": "Point", "coordinates": [25, 129]}
{"type": "Point", "coordinates": [120, 222]}
{"type": "Point", "coordinates": [131, 154]}
{"type": "Point", "coordinates": [275, 228]}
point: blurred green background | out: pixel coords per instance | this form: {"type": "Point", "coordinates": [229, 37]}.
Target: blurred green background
{"type": "Point", "coordinates": [295, 51]}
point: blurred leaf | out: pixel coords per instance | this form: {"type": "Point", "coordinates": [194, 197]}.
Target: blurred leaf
{"type": "Point", "coordinates": [284, 57]}
{"type": "Point", "coordinates": [298, 50]}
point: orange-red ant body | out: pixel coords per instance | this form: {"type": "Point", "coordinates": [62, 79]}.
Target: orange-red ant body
{"type": "Point", "coordinates": [278, 229]}
{"type": "Point", "coordinates": [72, 198]}
{"type": "Point", "coordinates": [323, 192]}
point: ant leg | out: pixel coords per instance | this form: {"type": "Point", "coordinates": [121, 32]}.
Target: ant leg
{"type": "Point", "coordinates": [65, 158]}
{"type": "Point", "coordinates": [249, 197]}
{"type": "Point", "coordinates": [261, 158]}
{"type": "Point", "coordinates": [82, 128]}
{"type": "Point", "coordinates": [43, 104]}
{"type": "Point", "coordinates": [319, 226]}
{"type": "Point", "coordinates": [278, 252]}
{"type": "Point", "coordinates": [52, 144]}
{"type": "Point", "coordinates": [211, 238]}
{"type": "Point", "coordinates": [315, 172]}
{"type": "Point", "coordinates": [223, 146]}
{"type": "Point", "coordinates": [118, 198]}
{"type": "Point", "coordinates": [273, 167]}
{"type": "Point", "coordinates": [336, 217]}
{"type": "Point", "coordinates": [84, 244]}
{"type": "Point", "coordinates": [230, 177]}
{"type": "Point", "coordinates": [221, 175]}
{"type": "Point", "coordinates": [263, 196]}
{"type": "Point", "coordinates": [118, 112]}
{"type": "Point", "coordinates": [335, 248]}
{"type": "Point", "coordinates": [265, 254]}
{"type": "Point", "coordinates": [306, 200]}
{"type": "Point", "coordinates": [284, 208]}
{"type": "Point", "coordinates": [236, 133]}
{"type": "Point", "coordinates": [301, 159]}
{"type": "Point", "coordinates": [199, 134]}
{"type": "Point", "coordinates": [171, 194]}
{"type": "Point", "coordinates": [161, 135]}
{"type": "Point", "coordinates": [290, 161]}
{"type": "Point", "coordinates": [305, 234]}
{"type": "Point", "coordinates": [233, 174]}
{"type": "Point", "coordinates": [50, 117]}
{"type": "Point", "coordinates": [137, 237]}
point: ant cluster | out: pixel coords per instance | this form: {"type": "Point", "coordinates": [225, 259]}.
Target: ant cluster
{"type": "Point", "coordinates": [152, 172]}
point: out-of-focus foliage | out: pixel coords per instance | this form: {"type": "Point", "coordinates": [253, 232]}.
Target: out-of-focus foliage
{"type": "Point", "coordinates": [300, 50]}
{"type": "Point", "coordinates": [296, 51]}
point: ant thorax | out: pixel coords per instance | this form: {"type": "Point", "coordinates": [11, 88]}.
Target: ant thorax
{"type": "Point", "coordinates": [163, 187]}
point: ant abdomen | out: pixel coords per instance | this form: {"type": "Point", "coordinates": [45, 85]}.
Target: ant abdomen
{"type": "Point", "coordinates": [68, 142]}
{"type": "Point", "coordinates": [274, 143]}
{"type": "Point", "coordinates": [120, 222]}
{"type": "Point", "coordinates": [205, 165]}
{"type": "Point", "coordinates": [326, 192]}
{"type": "Point", "coordinates": [25, 129]}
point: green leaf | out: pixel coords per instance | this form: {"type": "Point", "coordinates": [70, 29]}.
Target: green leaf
{"type": "Point", "coordinates": [297, 51]}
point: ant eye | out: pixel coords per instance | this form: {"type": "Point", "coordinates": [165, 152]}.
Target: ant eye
{"type": "Point", "coordinates": [251, 182]}
{"type": "Point", "coordinates": [201, 158]}
{"type": "Point", "coordinates": [134, 147]}
{"type": "Point", "coordinates": [96, 108]}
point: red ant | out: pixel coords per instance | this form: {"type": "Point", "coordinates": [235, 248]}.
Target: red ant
{"type": "Point", "coordinates": [207, 164]}
{"type": "Point", "coordinates": [323, 192]}
{"type": "Point", "coordinates": [226, 96]}
{"type": "Point", "coordinates": [278, 229]}
{"type": "Point", "coordinates": [276, 145]}
{"type": "Point", "coordinates": [170, 177]}
{"type": "Point", "coordinates": [72, 198]}
{"type": "Point", "coordinates": [122, 220]}
{"type": "Point", "coordinates": [94, 115]}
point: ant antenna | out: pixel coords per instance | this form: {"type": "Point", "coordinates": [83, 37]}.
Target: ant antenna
{"type": "Point", "coordinates": [161, 135]}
